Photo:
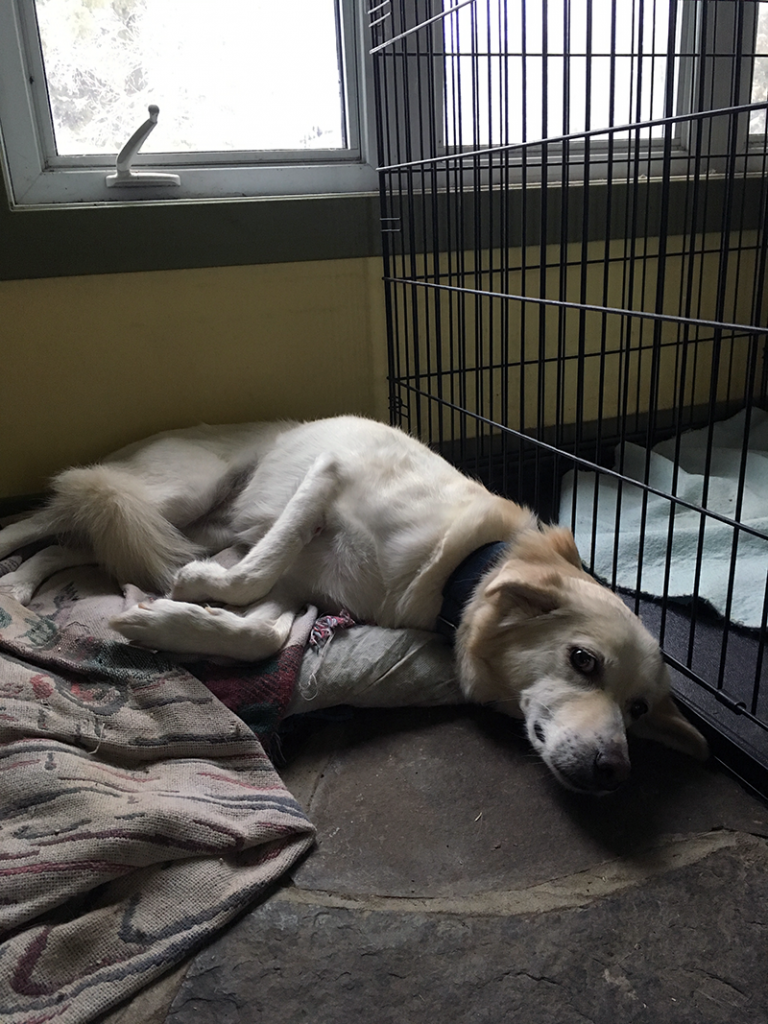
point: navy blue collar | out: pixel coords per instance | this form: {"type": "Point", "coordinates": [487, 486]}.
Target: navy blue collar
{"type": "Point", "coordinates": [462, 583]}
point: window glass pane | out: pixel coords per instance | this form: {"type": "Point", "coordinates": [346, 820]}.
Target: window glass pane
{"type": "Point", "coordinates": [531, 77]}
{"type": "Point", "coordinates": [760, 71]}
{"type": "Point", "coordinates": [227, 75]}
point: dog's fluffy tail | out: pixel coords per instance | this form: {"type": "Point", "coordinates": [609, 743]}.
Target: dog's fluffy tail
{"type": "Point", "coordinates": [114, 515]}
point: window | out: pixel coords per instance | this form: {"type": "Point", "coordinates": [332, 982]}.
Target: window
{"type": "Point", "coordinates": [227, 85]}
{"type": "Point", "coordinates": [260, 98]}
{"type": "Point", "coordinates": [255, 98]}
{"type": "Point", "coordinates": [567, 67]}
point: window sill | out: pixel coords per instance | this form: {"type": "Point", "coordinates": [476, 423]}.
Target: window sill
{"type": "Point", "coordinates": [187, 234]}
{"type": "Point", "coordinates": [184, 234]}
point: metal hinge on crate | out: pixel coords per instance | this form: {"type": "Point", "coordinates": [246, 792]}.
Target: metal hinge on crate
{"type": "Point", "coordinates": [398, 407]}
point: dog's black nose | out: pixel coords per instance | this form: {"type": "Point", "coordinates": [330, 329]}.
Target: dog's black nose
{"type": "Point", "coordinates": [611, 768]}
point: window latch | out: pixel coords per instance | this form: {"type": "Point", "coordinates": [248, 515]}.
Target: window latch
{"type": "Point", "coordinates": [123, 174]}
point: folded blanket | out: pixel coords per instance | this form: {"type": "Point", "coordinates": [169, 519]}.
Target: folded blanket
{"type": "Point", "coordinates": [660, 547]}
{"type": "Point", "coordinates": [139, 813]}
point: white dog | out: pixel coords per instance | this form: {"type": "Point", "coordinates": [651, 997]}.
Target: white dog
{"type": "Point", "coordinates": [351, 513]}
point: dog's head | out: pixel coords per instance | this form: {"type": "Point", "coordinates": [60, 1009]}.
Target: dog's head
{"type": "Point", "coordinates": [542, 639]}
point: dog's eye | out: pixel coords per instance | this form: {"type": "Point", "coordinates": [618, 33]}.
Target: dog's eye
{"type": "Point", "coordinates": [583, 661]}
{"type": "Point", "coordinates": [637, 709]}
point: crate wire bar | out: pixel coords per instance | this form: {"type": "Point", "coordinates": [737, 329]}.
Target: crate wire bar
{"type": "Point", "coordinates": [573, 204]}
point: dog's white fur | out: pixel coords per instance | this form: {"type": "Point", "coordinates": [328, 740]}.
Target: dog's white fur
{"type": "Point", "coordinates": [348, 512]}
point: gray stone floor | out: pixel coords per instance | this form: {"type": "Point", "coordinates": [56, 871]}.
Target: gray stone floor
{"type": "Point", "coordinates": [455, 881]}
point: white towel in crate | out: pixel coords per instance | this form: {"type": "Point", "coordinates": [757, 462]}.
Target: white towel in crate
{"type": "Point", "coordinates": [714, 556]}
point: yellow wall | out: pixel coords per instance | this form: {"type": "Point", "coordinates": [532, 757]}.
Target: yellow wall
{"type": "Point", "coordinates": [88, 364]}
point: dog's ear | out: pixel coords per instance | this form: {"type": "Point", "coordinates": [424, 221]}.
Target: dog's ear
{"type": "Point", "coordinates": [525, 591]}
{"type": "Point", "coordinates": [665, 724]}
{"type": "Point", "coordinates": [562, 543]}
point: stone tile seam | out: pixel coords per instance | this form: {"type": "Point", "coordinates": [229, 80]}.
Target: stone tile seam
{"type": "Point", "coordinates": [564, 893]}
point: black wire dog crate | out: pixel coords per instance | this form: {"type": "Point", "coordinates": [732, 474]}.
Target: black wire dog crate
{"type": "Point", "coordinates": [574, 198]}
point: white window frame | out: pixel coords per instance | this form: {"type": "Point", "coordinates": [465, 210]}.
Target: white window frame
{"type": "Point", "coordinates": [35, 180]}
{"type": "Point", "coordinates": [36, 177]}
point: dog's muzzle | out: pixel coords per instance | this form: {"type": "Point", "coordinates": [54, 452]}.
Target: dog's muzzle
{"type": "Point", "coordinates": [600, 772]}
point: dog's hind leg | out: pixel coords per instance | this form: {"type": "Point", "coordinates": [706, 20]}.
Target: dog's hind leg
{"type": "Point", "coordinates": [25, 531]}
{"type": "Point", "coordinates": [182, 628]}
{"type": "Point", "coordinates": [22, 583]}
{"type": "Point", "coordinates": [256, 574]}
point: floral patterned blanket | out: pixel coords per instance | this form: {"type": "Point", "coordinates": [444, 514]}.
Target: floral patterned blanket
{"type": "Point", "coordinates": [139, 813]}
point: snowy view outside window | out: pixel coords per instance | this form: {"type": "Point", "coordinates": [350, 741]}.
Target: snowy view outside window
{"type": "Point", "coordinates": [227, 76]}
{"type": "Point", "coordinates": [249, 75]}
{"type": "Point", "coordinates": [496, 88]}
{"type": "Point", "coordinates": [489, 92]}
{"type": "Point", "coordinates": [760, 73]}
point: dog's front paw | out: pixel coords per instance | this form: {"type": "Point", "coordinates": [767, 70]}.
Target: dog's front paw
{"type": "Point", "coordinates": [198, 581]}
